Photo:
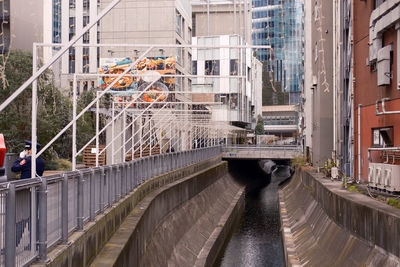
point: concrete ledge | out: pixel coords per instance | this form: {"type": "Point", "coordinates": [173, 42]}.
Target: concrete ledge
{"type": "Point", "coordinates": [132, 241]}
{"type": "Point", "coordinates": [364, 217]}
{"type": "Point", "coordinates": [324, 225]}
{"type": "Point", "coordinates": [83, 246]}
{"type": "Point", "coordinates": [215, 242]}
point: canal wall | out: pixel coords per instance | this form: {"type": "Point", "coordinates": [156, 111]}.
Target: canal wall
{"type": "Point", "coordinates": [83, 246]}
{"type": "Point", "coordinates": [325, 225]}
{"type": "Point", "coordinates": [183, 223]}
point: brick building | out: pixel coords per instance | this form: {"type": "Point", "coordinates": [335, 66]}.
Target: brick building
{"type": "Point", "coordinates": [376, 89]}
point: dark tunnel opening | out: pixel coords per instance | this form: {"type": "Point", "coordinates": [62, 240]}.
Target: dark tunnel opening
{"type": "Point", "coordinates": [257, 240]}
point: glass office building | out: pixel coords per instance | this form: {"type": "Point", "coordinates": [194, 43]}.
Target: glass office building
{"type": "Point", "coordinates": [279, 23]}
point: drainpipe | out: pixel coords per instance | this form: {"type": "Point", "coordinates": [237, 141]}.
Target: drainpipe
{"type": "Point", "coordinates": [359, 143]}
{"type": "Point", "coordinates": [397, 27]}
{"type": "Point", "coordinates": [334, 54]}
{"type": "Point", "coordinates": [208, 17]}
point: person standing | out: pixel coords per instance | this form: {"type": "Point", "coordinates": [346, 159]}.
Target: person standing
{"type": "Point", "coordinates": [23, 163]}
{"type": "Point", "coordinates": [23, 196]}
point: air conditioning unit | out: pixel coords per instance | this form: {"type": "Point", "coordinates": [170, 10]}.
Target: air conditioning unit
{"type": "Point", "coordinates": [391, 175]}
{"type": "Point", "coordinates": [371, 175]}
{"type": "Point", "coordinates": [378, 177]}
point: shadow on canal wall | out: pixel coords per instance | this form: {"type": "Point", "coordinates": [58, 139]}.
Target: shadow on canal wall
{"type": "Point", "coordinates": [325, 225]}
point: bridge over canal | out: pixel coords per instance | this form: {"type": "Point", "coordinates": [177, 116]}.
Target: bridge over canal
{"type": "Point", "coordinates": [249, 152]}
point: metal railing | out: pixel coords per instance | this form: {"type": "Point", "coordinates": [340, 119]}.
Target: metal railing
{"type": "Point", "coordinates": [36, 214]}
{"type": "Point", "coordinates": [233, 147]}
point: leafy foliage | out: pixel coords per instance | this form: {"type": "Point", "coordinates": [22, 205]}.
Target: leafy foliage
{"type": "Point", "coordinates": [298, 161]}
{"type": "Point", "coordinates": [393, 202]}
{"type": "Point", "coordinates": [259, 126]}
{"type": "Point", "coordinates": [54, 110]}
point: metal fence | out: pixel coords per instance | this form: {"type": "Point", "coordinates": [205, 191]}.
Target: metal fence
{"type": "Point", "coordinates": [238, 147]}
{"type": "Point", "coordinates": [36, 214]}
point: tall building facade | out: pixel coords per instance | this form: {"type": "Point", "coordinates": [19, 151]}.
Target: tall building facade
{"type": "Point", "coordinates": [130, 22]}
{"type": "Point", "coordinates": [5, 26]}
{"type": "Point", "coordinates": [279, 23]}
{"type": "Point", "coordinates": [21, 24]}
{"type": "Point", "coordinates": [318, 91]}
{"type": "Point", "coordinates": [63, 19]}
{"type": "Point", "coordinates": [150, 22]}
{"type": "Point", "coordinates": [376, 77]}
{"type": "Point", "coordinates": [238, 86]}
{"type": "Point", "coordinates": [216, 17]}
{"type": "Point", "coordinates": [328, 84]}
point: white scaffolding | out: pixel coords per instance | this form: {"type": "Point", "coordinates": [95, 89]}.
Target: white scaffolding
{"type": "Point", "coordinates": [181, 123]}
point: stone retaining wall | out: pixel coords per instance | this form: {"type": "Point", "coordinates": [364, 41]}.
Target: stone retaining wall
{"type": "Point", "coordinates": [325, 225]}
{"type": "Point", "coordinates": [83, 246]}
{"type": "Point", "coordinates": [178, 224]}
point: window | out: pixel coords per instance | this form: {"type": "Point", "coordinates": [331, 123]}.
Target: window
{"type": "Point", "coordinates": [193, 25]}
{"type": "Point", "coordinates": [178, 53]}
{"type": "Point", "coordinates": [85, 86]}
{"type": "Point", "coordinates": [189, 62]}
{"type": "Point", "coordinates": [183, 29]}
{"type": "Point", "coordinates": [377, 3]}
{"type": "Point", "coordinates": [56, 21]}
{"type": "Point", "coordinates": [178, 86]}
{"type": "Point", "coordinates": [211, 67]}
{"type": "Point", "coordinates": [382, 137]}
{"type": "Point", "coordinates": [71, 61]}
{"type": "Point", "coordinates": [85, 61]}
{"type": "Point", "coordinates": [233, 101]}
{"type": "Point", "coordinates": [194, 67]}
{"type": "Point", "coordinates": [178, 23]}
{"type": "Point", "coordinates": [223, 98]}
{"type": "Point", "coordinates": [234, 67]}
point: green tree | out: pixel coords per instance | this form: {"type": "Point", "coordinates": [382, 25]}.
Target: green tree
{"type": "Point", "coordinates": [54, 110]}
{"type": "Point", "coordinates": [259, 126]}
{"type": "Point", "coordinates": [53, 107]}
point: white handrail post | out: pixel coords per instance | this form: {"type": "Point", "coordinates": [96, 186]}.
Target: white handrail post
{"type": "Point", "coordinates": [112, 132]}
{"type": "Point", "coordinates": [34, 113]}
{"type": "Point", "coordinates": [124, 136]}
{"type": "Point", "coordinates": [97, 128]}
{"type": "Point", "coordinates": [74, 106]}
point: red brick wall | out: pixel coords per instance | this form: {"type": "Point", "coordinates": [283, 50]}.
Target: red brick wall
{"type": "Point", "coordinates": [366, 91]}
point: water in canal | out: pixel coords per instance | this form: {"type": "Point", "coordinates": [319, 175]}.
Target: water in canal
{"type": "Point", "coordinates": [256, 241]}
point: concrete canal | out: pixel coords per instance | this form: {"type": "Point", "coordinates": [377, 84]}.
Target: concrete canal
{"type": "Point", "coordinates": [256, 241]}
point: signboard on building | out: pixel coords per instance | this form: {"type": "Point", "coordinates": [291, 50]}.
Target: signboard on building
{"type": "Point", "coordinates": [139, 77]}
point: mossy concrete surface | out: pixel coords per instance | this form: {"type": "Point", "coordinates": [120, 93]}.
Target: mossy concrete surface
{"type": "Point", "coordinates": [325, 225]}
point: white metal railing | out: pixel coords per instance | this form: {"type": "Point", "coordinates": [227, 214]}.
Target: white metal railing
{"type": "Point", "coordinates": [36, 214]}
{"type": "Point", "coordinates": [237, 147]}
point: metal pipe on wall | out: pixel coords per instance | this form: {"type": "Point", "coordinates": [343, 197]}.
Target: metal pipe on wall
{"type": "Point", "coordinates": [234, 17]}
{"type": "Point", "coordinates": [359, 143]}
{"type": "Point", "coordinates": [245, 20]}
{"type": "Point", "coordinates": [208, 17]}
